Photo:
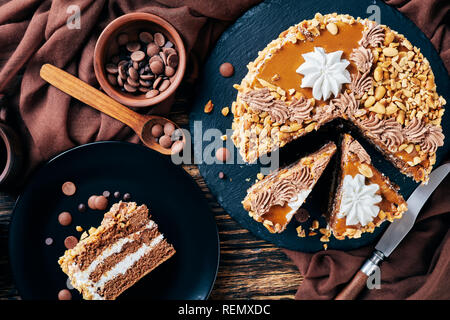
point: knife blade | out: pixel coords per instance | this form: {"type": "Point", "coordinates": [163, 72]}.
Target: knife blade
{"type": "Point", "coordinates": [394, 233]}
{"type": "Point", "coordinates": [399, 228]}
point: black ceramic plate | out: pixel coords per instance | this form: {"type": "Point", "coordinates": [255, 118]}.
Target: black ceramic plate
{"type": "Point", "coordinates": [240, 45]}
{"type": "Point", "coordinates": [176, 205]}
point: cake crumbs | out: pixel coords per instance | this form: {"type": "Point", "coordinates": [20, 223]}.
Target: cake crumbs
{"type": "Point", "coordinates": [260, 176]}
{"type": "Point", "coordinates": [300, 232]}
{"type": "Point", "coordinates": [225, 111]}
{"type": "Point", "coordinates": [79, 228]}
{"type": "Point", "coordinates": [208, 107]}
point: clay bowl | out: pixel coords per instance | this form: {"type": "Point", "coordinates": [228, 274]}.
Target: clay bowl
{"type": "Point", "coordinates": [107, 46]}
{"type": "Point", "coordinates": [11, 156]}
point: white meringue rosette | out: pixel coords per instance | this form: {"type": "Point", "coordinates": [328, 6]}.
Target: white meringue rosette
{"type": "Point", "coordinates": [324, 72]}
{"type": "Point", "coordinates": [358, 202]}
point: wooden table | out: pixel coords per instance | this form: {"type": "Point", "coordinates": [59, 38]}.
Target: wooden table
{"type": "Point", "coordinates": [250, 268]}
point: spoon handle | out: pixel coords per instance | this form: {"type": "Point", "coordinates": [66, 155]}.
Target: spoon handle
{"type": "Point", "coordinates": [91, 96]}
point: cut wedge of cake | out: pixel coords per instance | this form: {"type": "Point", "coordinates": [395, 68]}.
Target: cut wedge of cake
{"type": "Point", "coordinates": [364, 197]}
{"type": "Point", "coordinates": [274, 200]}
{"type": "Point", "coordinates": [336, 66]}
{"type": "Point", "coordinates": [123, 249]}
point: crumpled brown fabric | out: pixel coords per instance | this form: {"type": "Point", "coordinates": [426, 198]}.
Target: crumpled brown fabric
{"type": "Point", "coordinates": [35, 32]}
{"type": "Point", "coordinates": [420, 266]}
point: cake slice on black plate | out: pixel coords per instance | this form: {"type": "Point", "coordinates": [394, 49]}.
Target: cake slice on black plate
{"type": "Point", "coordinates": [123, 249]}
{"type": "Point", "coordinates": [274, 200]}
{"type": "Point", "coordinates": [364, 197]}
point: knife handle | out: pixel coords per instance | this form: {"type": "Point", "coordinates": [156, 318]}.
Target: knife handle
{"type": "Point", "coordinates": [352, 289]}
{"type": "Point", "coordinates": [359, 281]}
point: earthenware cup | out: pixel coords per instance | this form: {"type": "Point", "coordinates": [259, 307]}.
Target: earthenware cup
{"type": "Point", "coordinates": [107, 46]}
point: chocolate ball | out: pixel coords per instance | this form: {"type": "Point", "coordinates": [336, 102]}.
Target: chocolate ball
{"type": "Point", "coordinates": [106, 193]}
{"type": "Point", "coordinates": [101, 203]}
{"type": "Point", "coordinates": [64, 294]}
{"type": "Point", "coordinates": [177, 147]}
{"type": "Point", "coordinates": [70, 242]}
{"type": "Point", "coordinates": [222, 154]}
{"type": "Point", "coordinates": [69, 188]}
{"type": "Point", "coordinates": [126, 197]}
{"type": "Point", "coordinates": [226, 69]}
{"type": "Point", "coordinates": [65, 218]}
{"type": "Point", "coordinates": [82, 207]}
{"type": "Point", "coordinates": [221, 175]}
{"type": "Point", "coordinates": [117, 194]}
{"type": "Point", "coordinates": [157, 130]}
{"type": "Point", "coordinates": [169, 128]}
{"type": "Point", "coordinates": [302, 215]}
{"type": "Point", "coordinates": [165, 141]}
{"type": "Point", "coordinates": [91, 202]}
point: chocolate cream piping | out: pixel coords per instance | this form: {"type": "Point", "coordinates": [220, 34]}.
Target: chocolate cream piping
{"type": "Point", "coordinates": [360, 84]}
{"type": "Point", "coordinates": [373, 36]}
{"type": "Point", "coordinates": [429, 136]}
{"type": "Point", "coordinates": [362, 58]}
{"type": "Point", "coordinates": [300, 110]}
{"type": "Point", "coordinates": [355, 148]}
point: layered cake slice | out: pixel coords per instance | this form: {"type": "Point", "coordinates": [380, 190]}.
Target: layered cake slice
{"type": "Point", "coordinates": [123, 249]}
{"type": "Point", "coordinates": [274, 200]}
{"type": "Point", "coordinates": [336, 66]}
{"type": "Point", "coordinates": [364, 197]}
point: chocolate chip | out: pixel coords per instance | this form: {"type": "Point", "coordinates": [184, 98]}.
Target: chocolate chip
{"type": "Point", "coordinates": [101, 203]}
{"type": "Point", "coordinates": [133, 74]}
{"type": "Point", "coordinates": [122, 39]}
{"type": "Point", "coordinates": [147, 76]}
{"type": "Point", "coordinates": [165, 141]}
{"type": "Point", "coordinates": [221, 175]}
{"type": "Point", "coordinates": [143, 89]}
{"type": "Point", "coordinates": [172, 60]}
{"type": "Point", "coordinates": [169, 51]}
{"type": "Point", "coordinates": [111, 68]}
{"type": "Point", "coordinates": [122, 71]}
{"type": "Point", "coordinates": [133, 46]}
{"type": "Point", "coordinates": [226, 69]}
{"type": "Point", "coordinates": [129, 88]}
{"type": "Point", "coordinates": [119, 81]}
{"type": "Point", "coordinates": [151, 94]}
{"type": "Point", "coordinates": [157, 83]}
{"type": "Point", "coordinates": [126, 197]}
{"type": "Point", "coordinates": [70, 242]}
{"type": "Point", "coordinates": [169, 71]}
{"type": "Point", "coordinates": [164, 85]}
{"type": "Point", "coordinates": [69, 188]}
{"type": "Point", "coordinates": [65, 218]}
{"type": "Point", "coordinates": [157, 67]}
{"type": "Point", "coordinates": [117, 194]}
{"type": "Point", "coordinates": [138, 56]}
{"type": "Point", "coordinates": [106, 193]}
{"type": "Point", "coordinates": [91, 202]}
{"type": "Point", "coordinates": [112, 79]}
{"type": "Point", "coordinates": [145, 83]}
{"type": "Point", "coordinates": [157, 130]}
{"type": "Point", "coordinates": [302, 215]}
{"type": "Point", "coordinates": [155, 58]}
{"type": "Point", "coordinates": [152, 49]}
{"type": "Point", "coordinates": [145, 37]}
{"type": "Point", "coordinates": [159, 39]}
{"type": "Point", "coordinates": [64, 294]}
{"type": "Point", "coordinates": [168, 44]}
{"type": "Point", "coordinates": [132, 82]}
{"type": "Point", "coordinates": [82, 207]}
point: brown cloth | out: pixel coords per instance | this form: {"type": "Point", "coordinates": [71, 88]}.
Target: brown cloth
{"type": "Point", "coordinates": [420, 266]}
{"type": "Point", "coordinates": [35, 32]}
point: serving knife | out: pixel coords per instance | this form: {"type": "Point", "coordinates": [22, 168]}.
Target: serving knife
{"type": "Point", "coordinates": [394, 234]}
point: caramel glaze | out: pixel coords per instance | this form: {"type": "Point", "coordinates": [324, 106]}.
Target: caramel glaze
{"type": "Point", "coordinates": [390, 198]}
{"type": "Point", "coordinates": [277, 214]}
{"type": "Point", "coordinates": [289, 57]}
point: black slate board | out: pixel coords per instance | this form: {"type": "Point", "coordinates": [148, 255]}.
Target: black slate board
{"type": "Point", "coordinates": [175, 202]}
{"type": "Point", "coordinates": [240, 45]}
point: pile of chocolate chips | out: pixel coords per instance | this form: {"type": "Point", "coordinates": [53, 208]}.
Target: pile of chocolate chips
{"type": "Point", "coordinates": [145, 66]}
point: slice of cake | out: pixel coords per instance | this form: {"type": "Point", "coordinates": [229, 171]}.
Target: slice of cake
{"type": "Point", "coordinates": [274, 200]}
{"type": "Point", "coordinates": [123, 249]}
{"type": "Point", "coordinates": [364, 197]}
{"type": "Point", "coordinates": [336, 66]}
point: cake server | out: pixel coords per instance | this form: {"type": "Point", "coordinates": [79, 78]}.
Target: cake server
{"type": "Point", "coordinates": [394, 233]}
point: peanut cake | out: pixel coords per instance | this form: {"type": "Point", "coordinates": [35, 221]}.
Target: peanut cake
{"type": "Point", "coordinates": [364, 198]}
{"type": "Point", "coordinates": [336, 66]}
{"type": "Point", "coordinates": [274, 200]}
{"type": "Point", "coordinates": [124, 248]}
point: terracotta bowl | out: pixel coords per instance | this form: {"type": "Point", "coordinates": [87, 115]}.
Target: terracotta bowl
{"type": "Point", "coordinates": [11, 156]}
{"type": "Point", "coordinates": [107, 46]}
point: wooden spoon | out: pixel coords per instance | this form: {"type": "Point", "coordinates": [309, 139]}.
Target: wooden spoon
{"type": "Point", "coordinates": [141, 124]}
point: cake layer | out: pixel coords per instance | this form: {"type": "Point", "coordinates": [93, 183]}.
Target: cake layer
{"type": "Point", "coordinates": [364, 197]}
{"type": "Point", "coordinates": [125, 247]}
{"type": "Point", "coordinates": [375, 78]}
{"type": "Point", "coordinates": [274, 200]}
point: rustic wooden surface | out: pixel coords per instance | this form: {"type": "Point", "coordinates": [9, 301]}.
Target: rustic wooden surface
{"type": "Point", "coordinates": [250, 268]}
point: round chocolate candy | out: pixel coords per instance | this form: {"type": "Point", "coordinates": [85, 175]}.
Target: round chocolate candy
{"type": "Point", "coordinates": [64, 294]}
{"type": "Point", "coordinates": [169, 128]}
{"type": "Point", "coordinates": [70, 242]}
{"type": "Point", "coordinates": [82, 207]}
{"type": "Point", "coordinates": [157, 130]}
{"type": "Point", "coordinates": [117, 194]}
{"type": "Point", "coordinates": [222, 154]}
{"type": "Point", "coordinates": [145, 37]}
{"type": "Point", "coordinates": [226, 69]}
{"type": "Point", "coordinates": [165, 141]}
{"type": "Point", "coordinates": [177, 147]}
{"type": "Point", "coordinates": [91, 202]}
{"type": "Point", "coordinates": [101, 203]}
{"type": "Point", "coordinates": [126, 197]}
{"type": "Point", "coordinates": [65, 218]}
{"type": "Point", "coordinates": [69, 188]}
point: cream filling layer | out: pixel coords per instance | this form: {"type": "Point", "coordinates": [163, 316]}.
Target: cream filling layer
{"type": "Point", "coordinates": [297, 203]}
{"type": "Point", "coordinates": [80, 278]}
